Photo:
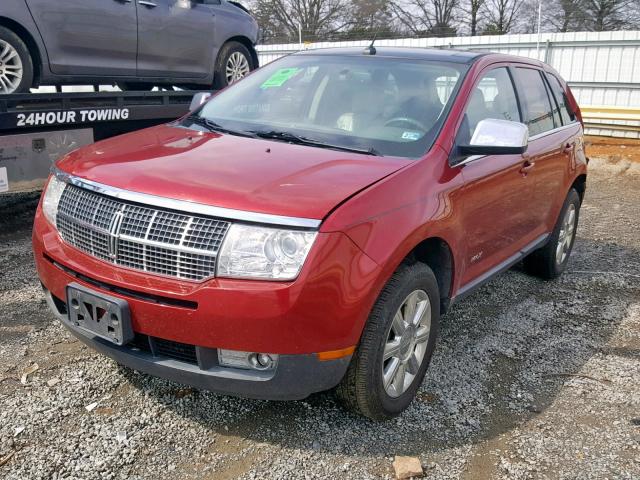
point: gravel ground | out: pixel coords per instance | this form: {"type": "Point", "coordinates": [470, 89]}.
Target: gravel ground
{"type": "Point", "coordinates": [530, 379]}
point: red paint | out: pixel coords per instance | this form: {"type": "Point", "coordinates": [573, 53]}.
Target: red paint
{"type": "Point", "coordinates": [228, 171]}
{"type": "Point", "coordinates": [487, 206]}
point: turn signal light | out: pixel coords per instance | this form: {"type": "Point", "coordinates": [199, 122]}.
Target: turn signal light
{"type": "Point", "coordinates": [335, 354]}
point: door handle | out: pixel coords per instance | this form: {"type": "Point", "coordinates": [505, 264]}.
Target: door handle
{"type": "Point", "coordinates": [568, 148]}
{"type": "Point", "coordinates": [527, 166]}
{"type": "Point", "coordinates": [146, 3]}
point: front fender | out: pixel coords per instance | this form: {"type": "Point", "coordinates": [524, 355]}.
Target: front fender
{"type": "Point", "coordinates": [390, 218]}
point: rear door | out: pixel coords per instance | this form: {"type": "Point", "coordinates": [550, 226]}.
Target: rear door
{"type": "Point", "coordinates": [176, 38]}
{"type": "Point", "coordinates": [551, 146]}
{"type": "Point", "coordinates": [88, 37]}
{"type": "Point", "coordinates": [496, 192]}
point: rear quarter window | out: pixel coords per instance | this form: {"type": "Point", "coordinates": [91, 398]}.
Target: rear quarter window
{"type": "Point", "coordinates": [560, 95]}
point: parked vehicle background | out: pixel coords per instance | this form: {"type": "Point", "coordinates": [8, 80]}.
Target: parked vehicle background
{"type": "Point", "coordinates": [137, 44]}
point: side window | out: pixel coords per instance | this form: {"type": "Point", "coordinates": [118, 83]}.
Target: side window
{"type": "Point", "coordinates": [539, 114]}
{"type": "Point", "coordinates": [492, 97]}
{"type": "Point", "coordinates": [554, 105]}
{"type": "Point", "coordinates": [561, 98]}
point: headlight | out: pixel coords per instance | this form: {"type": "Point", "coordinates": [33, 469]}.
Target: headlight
{"type": "Point", "coordinates": [51, 198]}
{"type": "Point", "coordinates": [262, 252]}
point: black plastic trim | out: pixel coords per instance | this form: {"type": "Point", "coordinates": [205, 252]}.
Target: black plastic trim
{"type": "Point", "coordinates": [478, 282]}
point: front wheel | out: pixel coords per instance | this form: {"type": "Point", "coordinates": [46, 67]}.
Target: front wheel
{"type": "Point", "coordinates": [234, 63]}
{"type": "Point", "coordinates": [16, 65]}
{"type": "Point", "coordinates": [396, 345]}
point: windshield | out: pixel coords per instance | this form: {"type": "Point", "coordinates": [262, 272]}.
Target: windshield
{"type": "Point", "coordinates": [377, 105]}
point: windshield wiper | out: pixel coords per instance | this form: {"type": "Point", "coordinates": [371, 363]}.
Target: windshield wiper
{"type": "Point", "coordinates": [300, 140]}
{"type": "Point", "coordinates": [216, 127]}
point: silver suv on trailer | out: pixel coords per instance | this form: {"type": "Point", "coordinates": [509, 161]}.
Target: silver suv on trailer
{"type": "Point", "coordinates": [137, 44]}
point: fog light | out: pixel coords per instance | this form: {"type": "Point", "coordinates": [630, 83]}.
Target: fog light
{"type": "Point", "coordinates": [261, 361]}
{"type": "Point", "coordinates": [247, 360]}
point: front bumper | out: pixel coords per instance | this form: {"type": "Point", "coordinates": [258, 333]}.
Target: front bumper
{"type": "Point", "coordinates": [295, 376]}
{"type": "Point", "coordinates": [323, 310]}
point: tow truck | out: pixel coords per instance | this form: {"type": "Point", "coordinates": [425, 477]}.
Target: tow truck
{"type": "Point", "coordinates": [36, 129]}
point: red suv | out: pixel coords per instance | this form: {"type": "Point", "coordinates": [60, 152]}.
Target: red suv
{"type": "Point", "coordinates": [306, 227]}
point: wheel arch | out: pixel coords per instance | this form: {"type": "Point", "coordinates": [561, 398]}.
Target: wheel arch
{"type": "Point", "coordinates": [436, 253]}
{"type": "Point", "coordinates": [580, 185]}
{"type": "Point", "coordinates": [247, 43]}
{"type": "Point", "coordinates": [32, 46]}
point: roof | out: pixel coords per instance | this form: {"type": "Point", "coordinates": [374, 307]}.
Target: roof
{"type": "Point", "coordinates": [414, 53]}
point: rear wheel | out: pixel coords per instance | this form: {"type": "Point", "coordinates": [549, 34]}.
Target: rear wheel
{"type": "Point", "coordinates": [16, 65]}
{"type": "Point", "coordinates": [234, 63]}
{"type": "Point", "coordinates": [551, 260]}
{"type": "Point", "coordinates": [396, 345]}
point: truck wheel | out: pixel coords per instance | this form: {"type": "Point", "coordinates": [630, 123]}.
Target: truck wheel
{"type": "Point", "coordinates": [16, 65]}
{"type": "Point", "coordinates": [396, 345]}
{"type": "Point", "coordinates": [551, 260]}
{"type": "Point", "coordinates": [233, 63]}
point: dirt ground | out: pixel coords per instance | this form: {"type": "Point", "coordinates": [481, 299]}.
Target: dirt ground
{"type": "Point", "coordinates": [530, 379]}
{"type": "Point", "coordinates": [613, 149]}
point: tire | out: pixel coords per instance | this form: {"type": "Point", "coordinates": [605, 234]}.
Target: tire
{"type": "Point", "coordinates": [362, 389]}
{"type": "Point", "coordinates": [16, 59]}
{"type": "Point", "coordinates": [551, 260]}
{"type": "Point", "coordinates": [135, 86]}
{"type": "Point", "coordinates": [230, 54]}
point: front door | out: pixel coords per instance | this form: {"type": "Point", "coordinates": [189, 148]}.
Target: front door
{"type": "Point", "coordinates": [175, 38]}
{"type": "Point", "coordinates": [497, 190]}
{"type": "Point", "coordinates": [88, 37]}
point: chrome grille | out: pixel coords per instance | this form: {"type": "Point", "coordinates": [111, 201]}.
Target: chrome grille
{"type": "Point", "coordinates": [136, 236]}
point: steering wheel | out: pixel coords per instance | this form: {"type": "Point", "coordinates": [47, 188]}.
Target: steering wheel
{"type": "Point", "coordinates": [408, 120]}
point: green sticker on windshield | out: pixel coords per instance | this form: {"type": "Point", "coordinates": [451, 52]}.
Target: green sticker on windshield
{"type": "Point", "coordinates": [280, 77]}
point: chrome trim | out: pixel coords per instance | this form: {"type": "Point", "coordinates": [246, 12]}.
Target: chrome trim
{"type": "Point", "coordinates": [187, 206]}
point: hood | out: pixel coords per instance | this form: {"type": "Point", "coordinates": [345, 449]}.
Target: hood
{"type": "Point", "coordinates": [228, 171]}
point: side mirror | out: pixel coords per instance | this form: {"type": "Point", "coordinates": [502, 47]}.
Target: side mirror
{"type": "Point", "coordinates": [199, 99]}
{"type": "Point", "coordinates": [497, 137]}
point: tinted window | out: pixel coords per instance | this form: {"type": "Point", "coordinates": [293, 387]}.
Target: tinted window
{"type": "Point", "coordinates": [561, 99]}
{"type": "Point", "coordinates": [493, 97]}
{"type": "Point", "coordinates": [539, 116]}
{"type": "Point", "coordinates": [395, 106]}
{"type": "Point", "coordinates": [554, 106]}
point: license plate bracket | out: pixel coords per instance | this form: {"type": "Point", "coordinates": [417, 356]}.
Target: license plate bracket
{"type": "Point", "coordinates": [98, 314]}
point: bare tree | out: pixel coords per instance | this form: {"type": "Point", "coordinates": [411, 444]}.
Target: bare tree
{"type": "Point", "coordinates": [564, 15]}
{"type": "Point", "coordinates": [475, 7]}
{"type": "Point", "coordinates": [501, 15]}
{"type": "Point", "coordinates": [430, 17]}
{"type": "Point", "coordinates": [602, 15]}
{"type": "Point", "coordinates": [371, 17]}
{"type": "Point", "coordinates": [315, 17]}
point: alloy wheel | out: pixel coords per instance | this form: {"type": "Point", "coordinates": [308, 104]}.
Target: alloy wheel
{"type": "Point", "coordinates": [565, 237]}
{"type": "Point", "coordinates": [237, 67]}
{"type": "Point", "coordinates": [406, 343]}
{"type": "Point", "coordinates": [10, 68]}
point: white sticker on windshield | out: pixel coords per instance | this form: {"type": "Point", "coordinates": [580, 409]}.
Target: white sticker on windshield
{"type": "Point", "coordinates": [4, 180]}
{"type": "Point", "coordinates": [410, 135]}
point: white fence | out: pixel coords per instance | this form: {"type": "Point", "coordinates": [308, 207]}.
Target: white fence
{"type": "Point", "coordinates": [603, 68]}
